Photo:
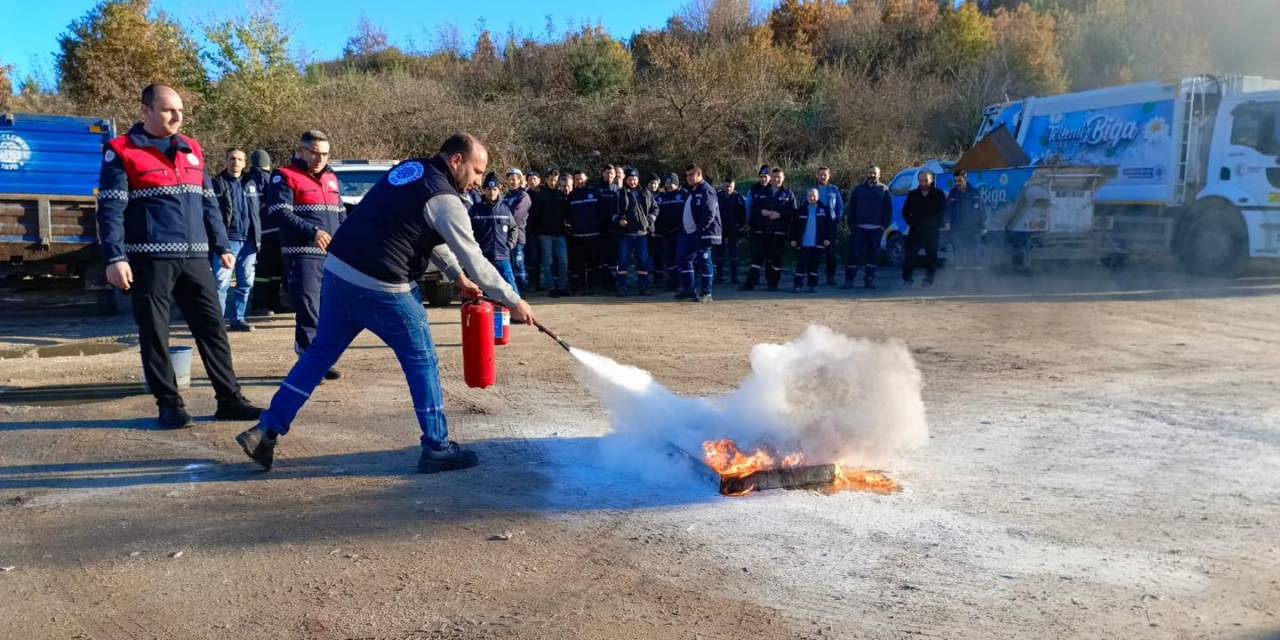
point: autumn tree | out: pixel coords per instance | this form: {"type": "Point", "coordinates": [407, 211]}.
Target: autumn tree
{"type": "Point", "coordinates": [107, 56]}
{"type": "Point", "coordinates": [260, 93]}
{"type": "Point", "coordinates": [599, 64]}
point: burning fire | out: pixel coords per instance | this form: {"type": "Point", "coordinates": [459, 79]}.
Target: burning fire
{"type": "Point", "coordinates": [726, 459]}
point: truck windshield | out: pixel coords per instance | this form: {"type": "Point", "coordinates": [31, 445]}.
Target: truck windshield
{"type": "Point", "coordinates": [1257, 126]}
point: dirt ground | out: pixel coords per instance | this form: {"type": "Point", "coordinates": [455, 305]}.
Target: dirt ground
{"type": "Point", "coordinates": [1104, 462]}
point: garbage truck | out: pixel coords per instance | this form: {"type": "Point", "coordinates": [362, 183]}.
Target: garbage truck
{"type": "Point", "coordinates": [1194, 161]}
{"type": "Point", "coordinates": [48, 186]}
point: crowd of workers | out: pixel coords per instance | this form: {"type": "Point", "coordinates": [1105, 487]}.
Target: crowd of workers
{"type": "Point", "coordinates": [568, 235]}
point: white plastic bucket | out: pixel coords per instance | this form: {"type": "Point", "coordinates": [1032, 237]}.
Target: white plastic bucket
{"type": "Point", "coordinates": [180, 358]}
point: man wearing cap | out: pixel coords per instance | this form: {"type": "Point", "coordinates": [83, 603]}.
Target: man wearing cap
{"type": "Point", "coordinates": [305, 199]}
{"type": "Point", "coordinates": [700, 226]}
{"type": "Point", "coordinates": [518, 201]}
{"type": "Point", "coordinates": [414, 213]}
{"type": "Point", "coordinates": [494, 227]}
{"type": "Point", "coordinates": [667, 230]}
{"type": "Point", "coordinates": [268, 274]}
{"type": "Point", "coordinates": [158, 222]}
{"type": "Point", "coordinates": [733, 214]}
{"type": "Point", "coordinates": [633, 223]}
{"type": "Point", "coordinates": [238, 201]}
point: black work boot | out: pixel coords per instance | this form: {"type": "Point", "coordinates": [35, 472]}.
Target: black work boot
{"type": "Point", "coordinates": [237, 408]}
{"type": "Point", "coordinates": [173, 415]}
{"type": "Point", "coordinates": [450, 458]}
{"type": "Point", "coordinates": [260, 445]}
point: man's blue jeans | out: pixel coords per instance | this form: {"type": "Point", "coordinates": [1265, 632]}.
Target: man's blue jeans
{"type": "Point", "coordinates": [554, 250]}
{"type": "Point", "coordinates": [517, 267]}
{"type": "Point", "coordinates": [637, 246]}
{"type": "Point", "coordinates": [504, 270]}
{"type": "Point", "coordinates": [246, 254]}
{"type": "Point", "coordinates": [694, 256]}
{"type": "Point", "coordinates": [399, 320]}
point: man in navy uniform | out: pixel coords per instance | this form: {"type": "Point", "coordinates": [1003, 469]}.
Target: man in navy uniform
{"type": "Point", "coordinates": [305, 200]}
{"type": "Point", "coordinates": [158, 222]}
{"type": "Point", "coordinates": [415, 213]}
{"type": "Point", "coordinates": [700, 232]}
{"type": "Point", "coordinates": [869, 214]}
{"type": "Point", "coordinates": [666, 231]}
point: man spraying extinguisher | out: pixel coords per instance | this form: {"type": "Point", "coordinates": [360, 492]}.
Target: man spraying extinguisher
{"type": "Point", "coordinates": [413, 214]}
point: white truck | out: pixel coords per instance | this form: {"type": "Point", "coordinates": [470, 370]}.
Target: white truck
{"type": "Point", "coordinates": [1194, 160]}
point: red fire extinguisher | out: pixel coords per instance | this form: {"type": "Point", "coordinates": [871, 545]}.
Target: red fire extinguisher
{"type": "Point", "coordinates": [501, 325]}
{"type": "Point", "coordinates": [479, 365]}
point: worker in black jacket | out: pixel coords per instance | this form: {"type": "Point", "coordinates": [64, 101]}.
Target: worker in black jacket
{"type": "Point", "coordinates": [924, 213]}
{"type": "Point", "coordinates": [549, 220]}
{"type": "Point", "coordinates": [733, 217]}
{"type": "Point", "coordinates": [637, 213]}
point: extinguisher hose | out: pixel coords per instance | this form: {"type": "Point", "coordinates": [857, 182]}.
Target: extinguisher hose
{"type": "Point", "coordinates": [551, 334]}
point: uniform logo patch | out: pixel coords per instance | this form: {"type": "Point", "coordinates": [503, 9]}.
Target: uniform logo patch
{"type": "Point", "coordinates": [276, 179]}
{"type": "Point", "coordinates": [14, 152]}
{"type": "Point", "coordinates": [193, 160]}
{"type": "Point", "coordinates": [405, 173]}
{"type": "Point", "coordinates": [109, 156]}
{"type": "Point", "coordinates": [251, 188]}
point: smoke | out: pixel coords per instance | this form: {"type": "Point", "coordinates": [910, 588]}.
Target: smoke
{"type": "Point", "coordinates": [831, 397]}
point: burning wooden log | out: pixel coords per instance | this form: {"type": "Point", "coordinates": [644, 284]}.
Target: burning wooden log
{"type": "Point", "coordinates": [808, 477]}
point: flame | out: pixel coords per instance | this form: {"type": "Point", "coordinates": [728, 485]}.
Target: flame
{"type": "Point", "coordinates": [863, 480]}
{"type": "Point", "coordinates": [729, 461]}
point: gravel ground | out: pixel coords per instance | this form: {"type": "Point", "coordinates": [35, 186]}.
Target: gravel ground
{"type": "Point", "coordinates": [1102, 463]}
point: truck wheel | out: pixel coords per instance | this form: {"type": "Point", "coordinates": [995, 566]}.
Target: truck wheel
{"type": "Point", "coordinates": [895, 250]}
{"type": "Point", "coordinates": [1216, 242]}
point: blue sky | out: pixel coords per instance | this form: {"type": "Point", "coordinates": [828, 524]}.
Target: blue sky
{"type": "Point", "coordinates": [29, 35]}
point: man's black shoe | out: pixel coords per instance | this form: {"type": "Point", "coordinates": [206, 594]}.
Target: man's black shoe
{"type": "Point", "coordinates": [450, 458]}
{"type": "Point", "coordinates": [684, 295]}
{"type": "Point", "coordinates": [243, 327]}
{"type": "Point", "coordinates": [174, 416]}
{"type": "Point", "coordinates": [332, 374]}
{"type": "Point", "coordinates": [259, 445]}
{"type": "Point", "coordinates": [746, 287]}
{"type": "Point", "coordinates": [237, 408]}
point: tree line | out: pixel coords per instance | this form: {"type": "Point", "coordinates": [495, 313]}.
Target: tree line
{"type": "Point", "coordinates": [730, 84]}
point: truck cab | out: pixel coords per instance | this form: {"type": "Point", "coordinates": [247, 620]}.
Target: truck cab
{"type": "Point", "coordinates": [1237, 212]}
